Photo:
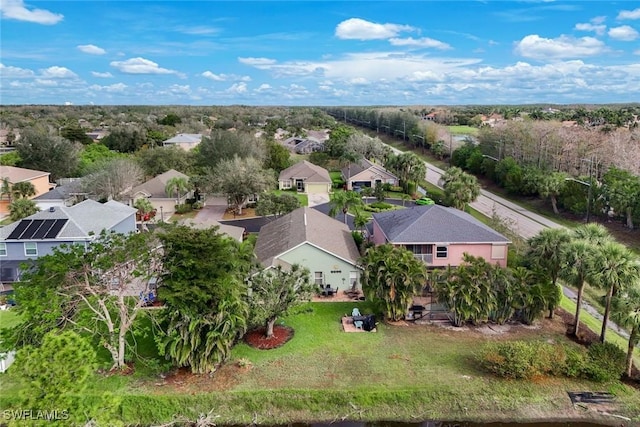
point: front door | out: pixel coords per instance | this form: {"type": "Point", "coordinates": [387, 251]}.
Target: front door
{"type": "Point", "coordinates": [353, 279]}
{"type": "Point", "coordinates": [300, 185]}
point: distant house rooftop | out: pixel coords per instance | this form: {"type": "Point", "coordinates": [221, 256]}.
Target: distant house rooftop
{"type": "Point", "coordinates": [186, 141]}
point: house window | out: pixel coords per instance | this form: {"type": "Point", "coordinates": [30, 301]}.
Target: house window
{"type": "Point", "coordinates": [498, 251]}
{"type": "Point", "coordinates": [3, 249]}
{"type": "Point", "coordinates": [319, 278]}
{"type": "Point", "coordinates": [441, 252]}
{"type": "Point", "coordinates": [31, 249]}
{"type": "Point", "coordinates": [286, 184]}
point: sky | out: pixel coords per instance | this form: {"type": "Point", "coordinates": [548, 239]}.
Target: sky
{"type": "Point", "coordinates": [319, 53]}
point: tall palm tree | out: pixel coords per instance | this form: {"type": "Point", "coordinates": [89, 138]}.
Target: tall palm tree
{"type": "Point", "coordinates": [460, 187]}
{"type": "Point", "coordinates": [545, 252]}
{"type": "Point", "coordinates": [594, 233]}
{"type": "Point", "coordinates": [360, 220]}
{"type": "Point", "coordinates": [22, 208]}
{"type": "Point", "coordinates": [341, 201]}
{"type": "Point", "coordinates": [579, 256]}
{"type": "Point", "coordinates": [176, 185]}
{"type": "Point", "coordinates": [5, 188]}
{"type": "Point", "coordinates": [617, 270]}
{"type": "Point", "coordinates": [626, 313]}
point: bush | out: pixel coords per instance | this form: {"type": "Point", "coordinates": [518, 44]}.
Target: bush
{"type": "Point", "coordinates": [575, 364]}
{"type": "Point", "coordinates": [381, 205]}
{"type": "Point", "coordinates": [605, 362]}
{"type": "Point", "coordinates": [370, 208]}
{"type": "Point", "coordinates": [523, 360]}
{"type": "Point", "coordinates": [183, 208]}
{"type": "Point", "coordinates": [197, 205]}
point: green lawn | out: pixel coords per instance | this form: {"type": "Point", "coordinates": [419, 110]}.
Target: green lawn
{"type": "Point", "coordinates": [8, 318]}
{"type": "Point", "coordinates": [463, 130]}
{"type": "Point", "coordinates": [401, 372]}
{"type": "Point", "coordinates": [303, 198]}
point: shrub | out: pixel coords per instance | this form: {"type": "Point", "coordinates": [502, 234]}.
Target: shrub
{"type": "Point", "coordinates": [605, 362]}
{"type": "Point", "coordinates": [514, 359]}
{"type": "Point", "coordinates": [183, 208]}
{"type": "Point", "coordinates": [575, 364]}
{"type": "Point", "coordinates": [381, 205]}
{"type": "Point", "coordinates": [197, 205]}
{"type": "Point", "coordinates": [370, 208]}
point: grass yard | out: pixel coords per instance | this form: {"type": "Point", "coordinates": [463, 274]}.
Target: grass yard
{"type": "Point", "coordinates": [303, 198]}
{"type": "Point", "coordinates": [8, 318]}
{"type": "Point", "coordinates": [463, 130]}
{"type": "Point", "coordinates": [402, 372]}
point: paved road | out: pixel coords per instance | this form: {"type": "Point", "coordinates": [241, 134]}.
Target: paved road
{"type": "Point", "coordinates": [527, 224]}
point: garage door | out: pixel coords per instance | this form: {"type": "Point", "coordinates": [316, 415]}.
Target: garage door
{"type": "Point", "coordinates": [317, 188]}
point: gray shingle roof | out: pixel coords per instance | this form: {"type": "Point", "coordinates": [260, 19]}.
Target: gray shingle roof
{"type": "Point", "coordinates": [154, 188]}
{"type": "Point", "coordinates": [185, 138]}
{"type": "Point", "coordinates": [355, 168]}
{"type": "Point", "coordinates": [435, 224]}
{"type": "Point", "coordinates": [307, 170]}
{"type": "Point", "coordinates": [62, 192]}
{"type": "Point", "coordinates": [84, 219]}
{"type": "Point", "coordinates": [305, 225]}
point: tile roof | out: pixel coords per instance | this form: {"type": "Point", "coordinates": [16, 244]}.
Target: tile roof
{"type": "Point", "coordinates": [435, 224]}
{"type": "Point", "coordinates": [84, 219]}
{"type": "Point", "coordinates": [304, 169]}
{"type": "Point", "coordinates": [20, 174]}
{"type": "Point", "coordinates": [305, 225]}
{"type": "Point", "coordinates": [357, 167]}
{"type": "Point", "coordinates": [154, 188]}
{"type": "Point", "coordinates": [185, 138]}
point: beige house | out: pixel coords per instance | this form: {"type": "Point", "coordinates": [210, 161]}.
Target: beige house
{"type": "Point", "coordinates": [154, 191]}
{"type": "Point", "coordinates": [366, 174]}
{"type": "Point", "coordinates": [14, 175]}
{"type": "Point", "coordinates": [305, 177]}
{"type": "Point", "coordinates": [186, 141]}
{"type": "Point", "coordinates": [315, 241]}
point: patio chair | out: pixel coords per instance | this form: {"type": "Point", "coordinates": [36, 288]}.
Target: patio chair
{"type": "Point", "coordinates": [355, 312]}
{"type": "Point", "coordinates": [358, 324]}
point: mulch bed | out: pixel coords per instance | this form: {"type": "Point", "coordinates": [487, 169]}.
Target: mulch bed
{"type": "Point", "coordinates": [585, 335]}
{"type": "Point", "coordinates": [256, 338]}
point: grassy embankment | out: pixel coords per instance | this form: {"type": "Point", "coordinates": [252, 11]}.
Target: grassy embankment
{"type": "Point", "coordinates": [401, 372]}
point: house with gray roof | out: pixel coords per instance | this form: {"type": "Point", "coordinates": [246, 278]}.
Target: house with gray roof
{"type": "Point", "coordinates": [186, 141]}
{"type": "Point", "coordinates": [66, 194]}
{"type": "Point", "coordinates": [439, 236]}
{"type": "Point", "coordinates": [38, 234]}
{"type": "Point", "coordinates": [305, 177]}
{"type": "Point", "coordinates": [313, 240]}
{"type": "Point", "coordinates": [365, 173]}
{"type": "Point", "coordinates": [154, 191]}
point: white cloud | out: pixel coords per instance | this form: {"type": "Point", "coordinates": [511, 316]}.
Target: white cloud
{"type": "Point", "coordinates": [359, 29]}
{"type": "Point", "coordinates": [536, 47]}
{"type": "Point", "coordinates": [13, 72]}
{"type": "Point", "coordinates": [629, 14]}
{"type": "Point", "coordinates": [422, 42]}
{"type": "Point", "coordinates": [198, 30]}
{"type": "Point", "coordinates": [91, 49]}
{"type": "Point", "coordinates": [636, 52]}
{"type": "Point", "coordinates": [624, 33]}
{"type": "Point", "coordinates": [140, 66]}
{"type": "Point", "coordinates": [264, 87]}
{"type": "Point", "coordinates": [599, 29]}
{"type": "Point", "coordinates": [56, 72]}
{"type": "Point", "coordinates": [46, 82]}
{"type": "Point", "coordinates": [116, 87]}
{"type": "Point", "coordinates": [16, 9]}
{"type": "Point", "coordinates": [358, 81]}
{"type": "Point", "coordinates": [256, 61]}
{"type": "Point", "coordinates": [180, 89]}
{"type": "Point", "coordinates": [216, 77]}
{"type": "Point", "coordinates": [106, 75]}
{"type": "Point", "coordinates": [67, 103]}
{"type": "Point", "coordinates": [238, 88]}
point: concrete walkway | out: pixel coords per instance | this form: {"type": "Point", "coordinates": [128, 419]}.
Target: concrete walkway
{"type": "Point", "coordinates": [316, 199]}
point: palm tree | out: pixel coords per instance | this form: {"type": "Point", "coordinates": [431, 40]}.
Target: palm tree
{"type": "Point", "coordinates": [23, 189]}
{"type": "Point", "coordinates": [626, 313]}
{"type": "Point", "coordinates": [176, 185]}
{"type": "Point", "coordinates": [144, 207]}
{"type": "Point", "coordinates": [593, 233]}
{"type": "Point", "coordinates": [360, 220]}
{"type": "Point", "coordinates": [341, 201]}
{"type": "Point", "coordinates": [545, 252]}
{"type": "Point", "coordinates": [460, 187]}
{"type": "Point", "coordinates": [617, 270]}
{"type": "Point", "coordinates": [5, 189]}
{"type": "Point", "coordinates": [22, 208]}
{"type": "Point", "coordinates": [578, 258]}
{"type": "Point", "coordinates": [550, 185]}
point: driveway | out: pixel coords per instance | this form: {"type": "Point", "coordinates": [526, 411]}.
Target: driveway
{"type": "Point", "coordinates": [316, 199]}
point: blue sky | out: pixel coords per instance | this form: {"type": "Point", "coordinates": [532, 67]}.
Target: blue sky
{"type": "Point", "coordinates": [319, 52]}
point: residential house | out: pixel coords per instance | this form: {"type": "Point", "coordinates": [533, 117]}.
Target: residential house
{"type": "Point", "coordinates": [303, 145]}
{"type": "Point", "coordinates": [305, 177]}
{"type": "Point", "coordinates": [38, 234]}
{"type": "Point", "coordinates": [67, 194]}
{"type": "Point", "coordinates": [236, 233]}
{"type": "Point", "coordinates": [314, 240]}
{"type": "Point", "coordinates": [439, 236]}
{"type": "Point", "coordinates": [39, 179]}
{"type": "Point", "coordinates": [154, 191]}
{"type": "Point", "coordinates": [186, 141]}
{"type": "Point", "coordinates": [367, 174]}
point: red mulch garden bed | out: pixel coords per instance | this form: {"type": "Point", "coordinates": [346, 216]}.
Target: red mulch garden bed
{"type": "Point", "coordinates": [256, 338]}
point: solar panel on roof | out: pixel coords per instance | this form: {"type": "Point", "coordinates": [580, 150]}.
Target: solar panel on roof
{"type": "Point", "coordinates": [31, 229]}
{"type": "Point", "coordinates": [55, 228]}
{"type": "Point", "coordinates": [44, 229]}
{"type": "Point", "coordinates": [15, 234]}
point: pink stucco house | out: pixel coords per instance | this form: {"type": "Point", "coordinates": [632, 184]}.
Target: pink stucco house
{"type": "Point", "coordinates": [439, 236]}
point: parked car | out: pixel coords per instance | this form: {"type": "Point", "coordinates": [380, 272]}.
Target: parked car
{"type": "Point", "coordinates": [425, 201]}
